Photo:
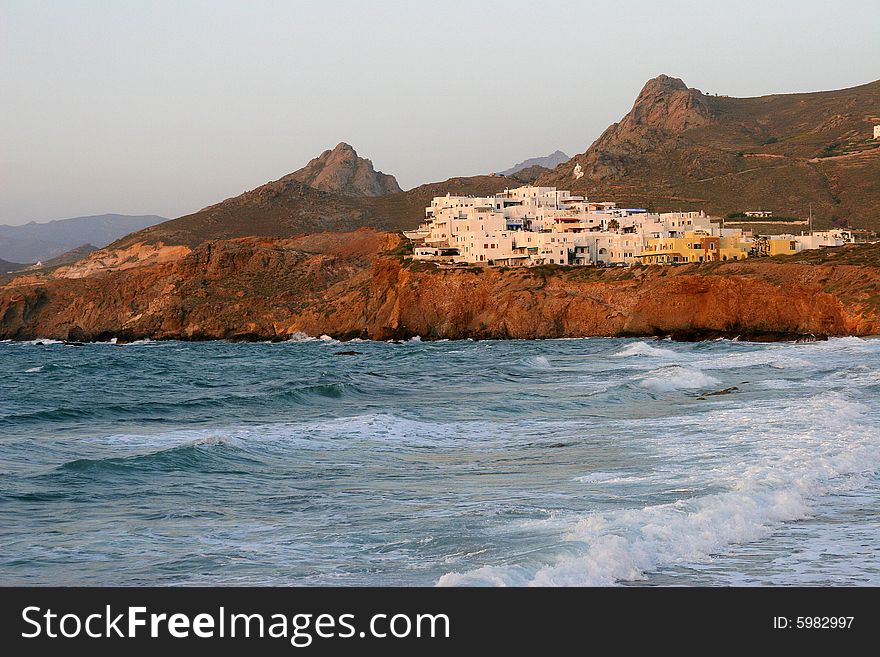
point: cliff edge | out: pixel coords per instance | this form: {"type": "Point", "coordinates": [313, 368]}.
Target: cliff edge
{"type": "Point", "coordinates": [360, 285]}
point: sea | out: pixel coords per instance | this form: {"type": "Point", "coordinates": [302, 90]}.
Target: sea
{"type": "Point", "coordinates": [454, 463]}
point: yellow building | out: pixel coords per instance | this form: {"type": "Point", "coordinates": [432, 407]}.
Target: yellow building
{"type": "Point", "coordinates": [693, 247]}
{"type": "Point", "coordinates": [782, 246]}
{"type": "Point", "coordinates": [772, 245]}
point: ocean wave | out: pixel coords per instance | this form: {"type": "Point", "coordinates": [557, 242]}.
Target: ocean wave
{"type": "Point", "coordinates": [299, 336]}
{"type": "Point", "coordinates": [539, 362]}
{"type": "Point", "coordinates": [34, 370]}
{"type": "Point", "coordinates": [166, 411]}
{"type": "Point", "coordinates": [40, 342]}
{"type": "Point", "coordinates": [781, 482]}
{"type": "Point", "coordinates": [644, 349]}
{"type": "Point", "coordinates": [608, 478]}
{"type": "Point", "coordinates": [205, 454]}
{"type": "Point", "coordinates": [372, 430]}
{"type": "Point", "coordinates": [670, 379]}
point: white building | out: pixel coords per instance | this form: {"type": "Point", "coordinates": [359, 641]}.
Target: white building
{"type": "Point", "coordinates": [545, 226]}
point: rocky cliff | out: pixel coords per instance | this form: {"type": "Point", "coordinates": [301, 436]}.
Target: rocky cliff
{"type": "Point", "coordinates": [359, 285]}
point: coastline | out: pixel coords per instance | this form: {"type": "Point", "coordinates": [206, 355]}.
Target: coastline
{"type": "Point", "coordinates": [357, 287]}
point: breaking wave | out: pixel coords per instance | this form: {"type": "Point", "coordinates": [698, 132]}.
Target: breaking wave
{"type": "Point", "coordinates": [781, 482]}
{"type": "Point", "coordinates": [460, 463]}
{"type": "Point", "coordinates": [539, 362]}
{"type": "Point", "coordinates": [670, 379]}
{"type": "Point", "coordinates": [644, 349]}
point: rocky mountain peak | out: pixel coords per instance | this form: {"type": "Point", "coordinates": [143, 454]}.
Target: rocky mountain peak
{"type": "Point", "coordinates": [341, 170]}
{"type": "Point", "coordinates": [667, 103]}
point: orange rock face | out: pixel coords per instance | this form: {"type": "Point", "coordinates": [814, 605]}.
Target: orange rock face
{"type": "Point", "coordinates": [352, 285]}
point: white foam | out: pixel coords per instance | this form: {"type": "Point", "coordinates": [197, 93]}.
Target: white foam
{"type": "Point", "coordinates": [790, 467]}
{"type": "Point", "coordinates": [644, 349]}
{"type": "Point", "coordinates": [299, 336]}
{"type": "Point", "coordinates": [34, 370]}
{"type": "Point", "coordinates": [607, 478]}
{"type": "Point", "coordinates": [213, 440]}
{"type": "Point", "coordinates": [41, 341]}
{"type": "Point", "coordinates": [540, 362]}
{"type": "Point", "coordinates": [670, 379]}
{"type": "Point", "coordinates": [378, 430]}
{"type": "Point", "coordinates": [776, 356]}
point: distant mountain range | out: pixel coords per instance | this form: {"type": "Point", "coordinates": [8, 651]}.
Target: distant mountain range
{"type": "Point", "coordinates": [34, 242]}
{"type": "Point", "coordinates": [548, 162]}
{"type": "Point", "coordinates": [679, 148]}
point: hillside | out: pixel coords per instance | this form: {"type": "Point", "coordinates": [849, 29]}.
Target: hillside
{"type": "Point", "coordinates": [287, 207]}
{"type": "Point", "coordinates": [71, 256]}
{"type": "Point", "coordinates": [678, 148]}
{"type": "Point", "coordinates": [33, 241]}
{"type": "Point", "coordinates": [529, 175]}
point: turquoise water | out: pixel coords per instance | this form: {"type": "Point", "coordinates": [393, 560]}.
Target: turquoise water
{"type": "Point", "coordinates": [558, 462]}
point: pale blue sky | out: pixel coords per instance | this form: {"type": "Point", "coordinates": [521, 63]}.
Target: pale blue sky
{"type": "Point", "coordinates": [167, 106]}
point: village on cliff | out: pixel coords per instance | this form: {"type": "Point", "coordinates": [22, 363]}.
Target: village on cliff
{"type": "Point", "coordinates": [530, 225]}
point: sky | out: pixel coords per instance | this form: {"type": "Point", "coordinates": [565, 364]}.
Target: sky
{"type": "Point", "coordinates": [164, 107]}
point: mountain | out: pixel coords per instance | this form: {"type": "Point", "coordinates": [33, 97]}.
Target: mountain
{"type": "Point", "coordinates": [548, 162]}
{"type": "Point", "coordinates": [6, 266]}
{"type": "Point", "coordinates": [342, 171]}
{"type": "Point", "coordinates": [679, 148]}
{"type": "Point", "coordinates": [288, 207]}
{"type": "Point", "coordinates": [33, 242]}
